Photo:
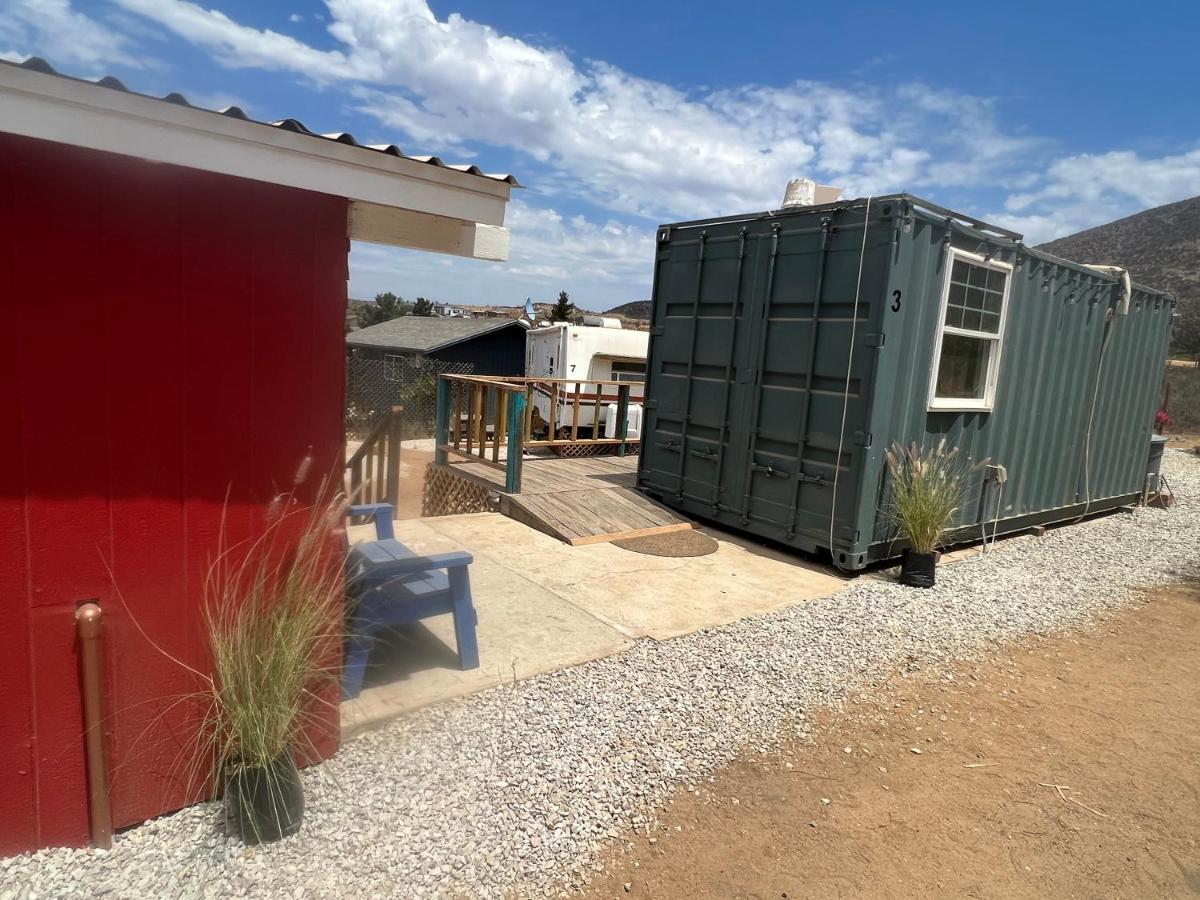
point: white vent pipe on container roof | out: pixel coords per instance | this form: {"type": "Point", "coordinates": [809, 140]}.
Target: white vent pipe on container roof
{"type": "Point", "coordinates": [806, 192]}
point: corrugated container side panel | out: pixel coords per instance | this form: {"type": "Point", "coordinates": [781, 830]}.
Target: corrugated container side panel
{"type": "Point", "coordinates": [915, 276]}
{"type": "Point", "coordinates": [1050, 466]}
{"type": "Point", "coordinates": [1130, 388]}
{"type": "Point", "coordinates": [1027, 380]}
{"type": "Point", "coordinates": [1050, 365]}
{"type": "Point", "coordinates": [1038, 381]}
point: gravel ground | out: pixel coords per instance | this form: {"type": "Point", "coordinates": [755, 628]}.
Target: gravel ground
{"type": "Point", "coordinates": [516, 790]}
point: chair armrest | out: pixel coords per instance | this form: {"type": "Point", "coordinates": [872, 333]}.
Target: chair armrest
{"type": "Point", "coordinates": [381, 514]}
{"type": "Point", "coordinates": [457, 559]}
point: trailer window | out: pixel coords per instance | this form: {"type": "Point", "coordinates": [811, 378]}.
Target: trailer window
{"type": "Point", "coordinates": [966, 358]}
{"type": "Point", "coordinates": [628, 371]}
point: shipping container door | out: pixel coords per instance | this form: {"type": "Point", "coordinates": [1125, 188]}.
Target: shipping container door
{"type": "Point", "coordinates": [701, 365]}
{"type": "Point", "coordinates": [807, 307]}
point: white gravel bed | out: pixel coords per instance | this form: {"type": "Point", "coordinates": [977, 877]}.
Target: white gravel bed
{"type": "Point", "coordinates": [516, 790]}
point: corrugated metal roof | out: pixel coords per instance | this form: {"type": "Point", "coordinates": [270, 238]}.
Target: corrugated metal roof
{"type": "Point", "coordinates": [37, 64]}
{"type": "Point", "coordinates": [424, 334]}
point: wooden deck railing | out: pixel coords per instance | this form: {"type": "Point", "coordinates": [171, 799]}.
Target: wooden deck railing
{"type": "Point", "coordinates": [374, 468]}
{"type": "Point", "coordinates": [477, 415]}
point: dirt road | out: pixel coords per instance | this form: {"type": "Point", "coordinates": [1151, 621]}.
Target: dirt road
{"type": "Point", "coordinates": [1112, 716]}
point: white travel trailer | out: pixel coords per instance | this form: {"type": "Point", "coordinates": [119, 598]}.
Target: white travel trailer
{"type": "Point", "coordinates": [583, 354]}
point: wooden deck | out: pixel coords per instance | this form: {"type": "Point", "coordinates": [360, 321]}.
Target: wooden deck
{"type": "Point", "coordinates": [580, 501]}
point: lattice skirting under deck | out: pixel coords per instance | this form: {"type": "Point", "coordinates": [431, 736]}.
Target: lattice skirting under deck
{"type": "Point", "coordinates": [447, 493]}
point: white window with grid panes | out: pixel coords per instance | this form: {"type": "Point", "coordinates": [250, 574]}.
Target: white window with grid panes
{"type": "Point", "coordinates": [966, 356]}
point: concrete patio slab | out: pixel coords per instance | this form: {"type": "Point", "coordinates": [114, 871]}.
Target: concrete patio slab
{"type": "Point", "coordinates": [545, 605]}
{"type": "Point", "coordinates": [524, 629]}
{"type": "Point", "coordinates": [647, 596]}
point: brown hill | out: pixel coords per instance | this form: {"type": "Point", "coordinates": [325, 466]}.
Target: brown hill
{"type": "Point", "coordinates": [1159, 246]}
{"type": "Point", "coordinates": [1161, 249]}
{"type": "Point", "coordinates": [635, 309]}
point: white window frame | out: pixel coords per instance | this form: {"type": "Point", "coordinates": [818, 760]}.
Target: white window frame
{"type": "Point", "coordinates": [959, 404]}
{"type": "Point", "coordinates": [393, 363]}
{"type": "Point", "coordinates": [628, 377]}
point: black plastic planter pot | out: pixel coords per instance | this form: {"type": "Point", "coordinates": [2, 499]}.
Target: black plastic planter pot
{"type": "Point", "coordinates": [264, 804]}
{"type": "Point", "coordinates": [916, 569]}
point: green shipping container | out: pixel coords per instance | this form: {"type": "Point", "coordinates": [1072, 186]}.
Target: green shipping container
{"type": "Point", "coordinates": [790, 349]}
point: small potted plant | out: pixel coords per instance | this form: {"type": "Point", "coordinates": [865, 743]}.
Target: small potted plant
{"type": "Point", "coordinates": [274, 617]}
{"type": "Point", "coordinates": [926, 493]}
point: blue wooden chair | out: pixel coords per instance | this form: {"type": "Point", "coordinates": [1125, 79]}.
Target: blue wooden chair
{"type": "Point", "coordinates": [388, 584]}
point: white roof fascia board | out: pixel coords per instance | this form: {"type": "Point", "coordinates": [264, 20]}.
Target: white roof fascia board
{"type": "Point", "coordinates": [82, 114]}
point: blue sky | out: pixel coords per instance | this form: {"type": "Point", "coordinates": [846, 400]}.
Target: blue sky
{"type": "Point", "coordinates": [1047, 117]}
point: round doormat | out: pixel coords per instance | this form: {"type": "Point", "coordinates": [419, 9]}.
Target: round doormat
{"type": "Point", "coordinates": [676, 543]}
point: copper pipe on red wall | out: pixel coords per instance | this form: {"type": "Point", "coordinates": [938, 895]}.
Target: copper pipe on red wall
{"type": "Point", "coordinates": [88, 618]}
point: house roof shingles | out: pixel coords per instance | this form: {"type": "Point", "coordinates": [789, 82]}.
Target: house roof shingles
{"type": "Point", "coordinates": [425, 334]}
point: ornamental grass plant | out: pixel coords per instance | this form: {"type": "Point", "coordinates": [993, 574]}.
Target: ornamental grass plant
{"type": "Point", "coordinates": [928, 486]}
{"type": "Point", "coordinates": [274, 617]}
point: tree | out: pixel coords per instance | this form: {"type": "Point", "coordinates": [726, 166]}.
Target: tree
{"type": "Point", "coordinates": [422, 307]}
{"type": "Point", "coordinates": [563, 308]}
{"type": "Point", "coordinates": [387, 306]}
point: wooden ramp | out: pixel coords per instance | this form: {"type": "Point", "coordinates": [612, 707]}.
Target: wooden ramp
{"type": "Point", "coordinates": [585, 500]}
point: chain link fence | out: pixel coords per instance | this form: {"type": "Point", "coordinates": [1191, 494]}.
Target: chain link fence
{"type": "Point", "coordinates": [375, 383]}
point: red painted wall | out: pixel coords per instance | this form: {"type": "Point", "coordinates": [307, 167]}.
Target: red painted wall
{"type": "Point", "coordinates": [171, 347]}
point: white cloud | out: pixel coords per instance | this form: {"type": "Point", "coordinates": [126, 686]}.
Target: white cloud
{"type": "Point", "coordinates": [63, 35]}
{"type": "Point", "coordinates": [238, 46]}
{"type": "Point", "coordinates": [629, 144]}
{"type": "Point", "coordinates": [295, 17]}
{"type": "Point", "coordinates": [1119, 174]}
{"type": "Point", "coordinates": [548, 245]}
{"type": "Point", "coordinates": [1078, 192]}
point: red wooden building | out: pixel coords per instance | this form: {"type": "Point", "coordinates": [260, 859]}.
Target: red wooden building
{"type": "Point", "coordinates": [172, 308]}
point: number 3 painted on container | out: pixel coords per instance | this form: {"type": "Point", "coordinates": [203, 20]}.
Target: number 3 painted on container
{"type": "Point", "coordinates": [895, 301]}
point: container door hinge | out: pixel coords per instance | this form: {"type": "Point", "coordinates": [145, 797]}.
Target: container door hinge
{"type": "Point", "coordinates": [862, 438]}
{"type": "Point", "coordinates": [657, 331]}
{"type": "Point", "coordinates": [874, 340]}
{"type": "Point", "coordinates": [651, 403]}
